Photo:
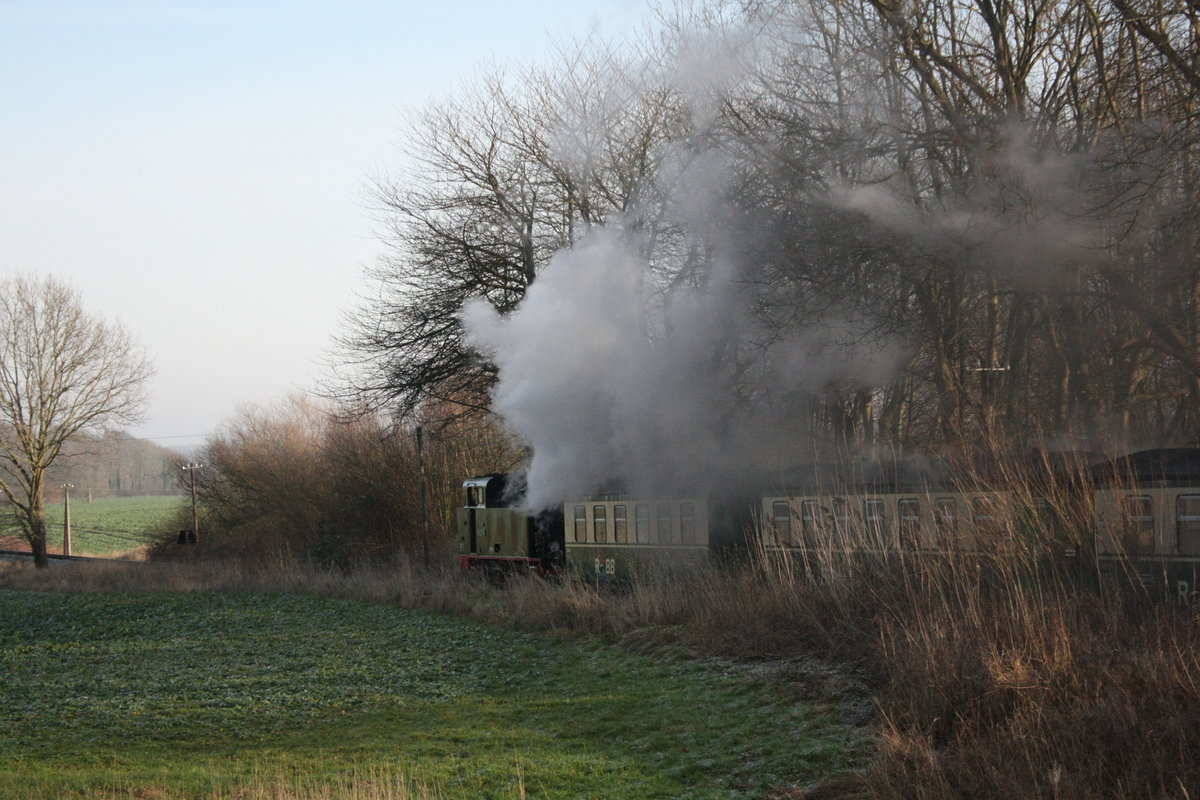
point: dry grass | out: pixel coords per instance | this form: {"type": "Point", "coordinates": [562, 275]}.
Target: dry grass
{"type": "Point", "coordinates": [379, 783]}
{"type": "Point", "coordinates": [376, 784]}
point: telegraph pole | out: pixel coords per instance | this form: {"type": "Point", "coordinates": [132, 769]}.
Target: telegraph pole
{"type": "Point", "coordinates": [67, 487]}
{"type": "Point", "coordinates": [191, 470]}
{"type": "Point", "coordinates": [424, 505]}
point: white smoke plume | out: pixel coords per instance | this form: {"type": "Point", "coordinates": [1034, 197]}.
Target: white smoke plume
{"type": "Point", "coordinates": [1024, 219]}
{"type": "Point", "coordinates": [613, 379]}
{"type": "Point", "coordinates": [600, 402]}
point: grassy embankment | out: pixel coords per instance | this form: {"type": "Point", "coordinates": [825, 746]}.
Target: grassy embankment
{"type": "Point", "coordinates": [285, 696]}
{"type": "Point", "coordinates": [991, 678]}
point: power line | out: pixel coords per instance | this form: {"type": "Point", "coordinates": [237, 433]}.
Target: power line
{"type": "Point", "coordinates": [176, 436]}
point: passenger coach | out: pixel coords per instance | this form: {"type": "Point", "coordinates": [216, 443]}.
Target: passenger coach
{"type": "Point", "coordinates": [1137, 517]}
{"type": "Point", "coordinates": [618, 536]}
{"type": "Point", "coordinates": [1147, 519]}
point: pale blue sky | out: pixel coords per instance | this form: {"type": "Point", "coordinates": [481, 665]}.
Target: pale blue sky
{"type": "Point", "coordinates": [197, 169]}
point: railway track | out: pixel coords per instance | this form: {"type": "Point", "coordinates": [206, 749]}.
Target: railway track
{"type": "Point", "coordinates": [19, 556]}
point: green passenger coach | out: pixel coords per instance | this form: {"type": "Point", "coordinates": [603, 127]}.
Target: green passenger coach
{"type": "Point", "coordinates": [622, 536]}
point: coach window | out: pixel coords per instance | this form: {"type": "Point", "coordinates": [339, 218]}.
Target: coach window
{"type": "Point", "coordinates": [809, 520]}
{"type": "Point", "coordinates": [873, 515]}
{"type": "Point", "coordinates": [620, 524]}
{"type": "Point", "coordinates": [1137, 516]}
{"type": "Point", "coordinates": [781, 521]}
{"type": "Point", "coordinates": [687, 523]}
{"type": "Point", "coordinates": [841, 514]}
{"type": "Point", "coordinates": [600, 524]}
{"type": "Point", "coordinates": [641, 523]}
{"type": "Point", "coordinates": [987, 525]}
{"type": "Point", "coordinates": [1187, 523]}
{"type": "Point", "coordinates": [472, 496]}
{"type": "Point", "coordinates": [580, 524]}
{"type": "Point", "coordinates": [945, 520]}
{"type": "Point", "coordinates": [1046, 513]}
{"type": "Point", "coordinates": [663, 514]}
{"type": "Point", "coordinates": [908, 509]}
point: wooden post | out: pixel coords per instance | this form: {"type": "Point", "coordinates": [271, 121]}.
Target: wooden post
{"type": "Point", "coordinates": [67, 487]}
{"type": "Point", "coordinates": [191, 469]}
{"type": "Point", "coordinates": [424, 504]}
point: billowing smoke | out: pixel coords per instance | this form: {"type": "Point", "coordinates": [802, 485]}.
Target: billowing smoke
{"type": "Point", "coordinates": [1023, 218]}
{"type": "Point", "coordinates": [620, 372]}
{"type": "Point", "coordinates": [665, 368]}
{"type": "Point", "coordinates": [604, 401]}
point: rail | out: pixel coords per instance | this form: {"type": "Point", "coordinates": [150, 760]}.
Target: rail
{"type": "Point", "coordinates": [54, 558]}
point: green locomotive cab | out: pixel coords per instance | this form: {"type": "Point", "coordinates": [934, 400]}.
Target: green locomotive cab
{"type": "Point", "coordinates": [496, 536]}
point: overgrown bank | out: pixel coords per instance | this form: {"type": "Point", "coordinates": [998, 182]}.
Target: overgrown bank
{"type": "Point", "coordinates": [982, 685]}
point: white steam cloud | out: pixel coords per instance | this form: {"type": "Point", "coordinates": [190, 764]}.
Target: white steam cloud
{"type": "Point", "coordinates": [614, 379]}
{"type": "Point", "coordinates": [601, 402]}
{"type": "Point", "coordinates": [1024, 218]}
{"type": "Point", "coordinates": [617, 372]}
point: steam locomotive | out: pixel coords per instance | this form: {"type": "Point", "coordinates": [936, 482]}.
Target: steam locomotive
{"type": "Point", "coordinates": [1136, 517]}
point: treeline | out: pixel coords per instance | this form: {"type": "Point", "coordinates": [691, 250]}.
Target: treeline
{"type": "Point", "coordinates": [994, 204]}
{"type": "Point", "coordinates": [114, 464]}
{"type": "Point", "coordinates": [302, 479]}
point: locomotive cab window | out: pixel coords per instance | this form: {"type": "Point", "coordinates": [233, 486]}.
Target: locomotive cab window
{"type": "Point", "coordinates": [641, 524]}
{"type": "Point", "coordinates": [600, 524]}
{"type": "Point", "coordinates": [620, 524]}
{"type": "Point", "coordinates": [580, 524]}
{"type": "Point", "coordinates": [1187, 524]}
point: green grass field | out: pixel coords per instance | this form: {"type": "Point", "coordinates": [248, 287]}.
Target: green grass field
{"type": "Point", "coordinates": [201, 695]}
{"type": "Point", "coordinates": [110, 525]}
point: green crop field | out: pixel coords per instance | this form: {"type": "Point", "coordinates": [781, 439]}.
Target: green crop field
{"type": "Point", "coordinates": [109, 525]}
{"type": "Point", "coordinates": [201, 695]}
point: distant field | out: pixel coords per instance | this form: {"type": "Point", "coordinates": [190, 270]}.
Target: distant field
{"type": "Point", "coordinates": [201, 695]}
{"type": "Point", "coordinates": [111, 525]}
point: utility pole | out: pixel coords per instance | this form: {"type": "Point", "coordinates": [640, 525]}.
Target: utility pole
{"type": "Point", "coordinates": [191, 470]}
{"type": "Point", "coordinates": [67, 487]}
{"type": "Point", "coordinates": [424, 505]}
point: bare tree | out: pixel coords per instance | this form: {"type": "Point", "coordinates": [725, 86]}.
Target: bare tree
{"type": "Point", "coordinates": [505, 175]}
{"type": "Point", "coordinates": [63, 372]}
{"type": "Point", "coordinates": [1005, 187]}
